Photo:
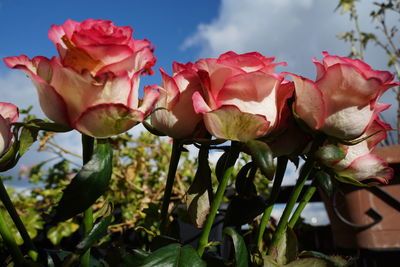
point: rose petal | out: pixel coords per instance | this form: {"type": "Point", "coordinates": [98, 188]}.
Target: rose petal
{"type": "Point", "coordinates": [200, 106]}
{"type": "Point", "coordinates": [106, 120]}
{"type": "Point", "coordinates": [253, 93]}
{"type": "Point", "coordinates": [150, 98]}
{"type": "Point", "coordinates": [369, 166]}
{"type": "Point", "coordinates": [9, 111]}
{"type": "Point", "coordinates": [309, 105]}
{"type": "Point", "coordinates": [230, 123]}
{"type": "Point", "coordinates": [81, 91]}
{"type": "Point", "coordinates": [52, 103]}
{"type": "Point", "coordinates": [5, 135]}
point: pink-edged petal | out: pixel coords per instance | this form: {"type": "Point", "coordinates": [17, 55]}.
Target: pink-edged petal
{"type": "Point", "coordinates": [344, 86]}
{"type": "Point", "coordinates": [216, 76]}
{"type": "Point", "coordinates": [309, 105]}
{"type": "Point", "coordinates": [170, 90]}
{"type": "Point", "coordinates": [178, 67]}
{"type": "Point", "coordinates": [365, 69]}
{"type": "Point", "coordinates": [55, 34]}
{"type": "Point", "coordinates": [133, 100]}
{"type": "Point", "coordinates": [108, 53]}
{"type": "Point", "coordinates": [5, 135]}
{"type": "Point", "coordinates": [199, 105]}
{"type": "Point", "coordinates": [284, 92]}
{"type": "Point", "coordinates": [378, 129]}
{"type": "Point", "coordinates": [253, 93]}
{"type": "Point", "coordinates": [320, 69]}
{"type": "Point", "coordinates": [369, 166]}
{"type": "Point", "coordinates": [106, 120]}
{"type": "Point", "coordinates": [230, 123]}
{"type": "Point", "coordinates": [150, 98]}
{"type": "Point", "coordinates": [135, 63]}
{"type": "Point", "coordinates": [81, 91]}
{"type": "Point", "coordinates": [52, 103]}
{"type": "Point", "coordinates": [9, 111]}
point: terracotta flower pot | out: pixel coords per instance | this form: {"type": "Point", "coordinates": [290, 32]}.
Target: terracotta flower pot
{"type": "Point", "coordinates": [368, 218]}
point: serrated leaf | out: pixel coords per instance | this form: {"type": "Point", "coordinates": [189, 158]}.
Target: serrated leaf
{"type": "Point", "coordinates": [241, 253]}
{"type": "Point", "coordinates": [173, 255]}
{"type": "Point", "coordinates": [262, 155]}
{"type": "Point", "coordinates": [88, 185]}
{"type": "Point", "coordinates": [27, 138]}
{"type": "Point", "coordinates": [61, 230]}
{"type": "Point", "coordinates": [287, 247]}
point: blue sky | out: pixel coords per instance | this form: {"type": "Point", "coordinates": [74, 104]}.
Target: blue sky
{"type": "Point", "coordinates": [294, 31]}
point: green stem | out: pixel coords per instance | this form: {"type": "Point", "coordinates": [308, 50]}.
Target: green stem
{"type": "Point", "coordinates": [173, 165]}
{"type": "Point", "coordinates": [282, 225]}
{"type": "Point", "coordinates": [4, 197]}
{"type": "Point", "coordinates": [307, 196]}
{"type": "Point", "coordinates": [233, 154]}
{"type": "Point", "coordinates": [87, 152]}
{"type": "Point", "coordinates": [280, 173]}
{"type": "Point", "coordinates": [9, 240]}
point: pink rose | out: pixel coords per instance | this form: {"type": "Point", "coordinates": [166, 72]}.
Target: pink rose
{"type": "Point", "coordinates": [93, 85]}
{"type": "Point", "coordinates": [243, 98]}
{"type": "Point", "coordinates": [177, 117]}
{"type": "Point", "coordinates": [342, 102]}
{"type": "Point", "coordinates": [359, 163]}
{"type": "Point", "coordinates": [8, 114]}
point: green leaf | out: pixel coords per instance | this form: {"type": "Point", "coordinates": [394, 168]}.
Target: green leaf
{"type": "Point", "coordinates": [134, 259]}
{"type": "Point", "coordinates": [27, 138]}
{"type": "Point", "coordinates": [9, 159]}
{"type": "Point", "coordinates": [220, 167]}
{"type": "Point", "coordinates": [242, 210]}
{"type": "Point", "coordinates": [331, 153]}
{"type": "Point", "coordinates": [244, 185]}
{"type": "Point", "coordinates": [349, 180]}
{"type": "Point", "coordinates": [173, 255]}
{"type": "Point", "coordinates": [61, 230]}
{"type": "Point", "coordinates": [309, 262]}
{"type": "Point", "coordinates": [200, 191]}
{"type": "Point", "coordinates": [88, 185]}
{"type": "Point", "coordinates": [241, 253]}
{"type": "Point", "coordinates": [96, 232]}
{"type": "Point", "coordinates": [287, 248]}
{"type": "Point", "coordinates": [323, 181]}
{"type": "Point", "coordinates": [38, 124]}
{"type": "Point", "coordinates": [269, 262]}
{"type": "Point", "coordinates": [152, 130]}
{"type": "Point", "coordinates": [336, 261]}
{"type": "Point", "coordinates": [262, 155]}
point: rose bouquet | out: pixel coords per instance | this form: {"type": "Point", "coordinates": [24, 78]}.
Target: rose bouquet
{"type": "Point", "coordinates": [236, 103]}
